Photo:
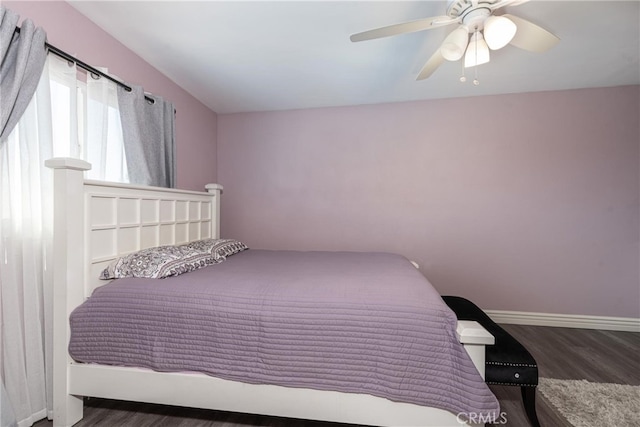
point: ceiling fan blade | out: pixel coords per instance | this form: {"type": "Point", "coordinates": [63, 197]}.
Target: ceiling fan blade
{"type": "Point", "coordinates": [503, 3]}
{"type": "Point", "coordinates": [531, 37]}
{"type": "Point", "coordinates": [405, 27]}
{"type": "Point", "coordinates": [432, 65]}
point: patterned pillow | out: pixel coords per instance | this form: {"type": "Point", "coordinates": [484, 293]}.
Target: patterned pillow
{"type": "Point", "coordinates": [219, 249]}
{"type": "Point", "coordinates": [164, 261]}
{"type": "Point", "coordinates": [223, 248]}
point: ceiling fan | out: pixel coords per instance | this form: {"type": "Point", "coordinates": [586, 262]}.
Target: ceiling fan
{"type": "Point", "coordinates": [478, 31]}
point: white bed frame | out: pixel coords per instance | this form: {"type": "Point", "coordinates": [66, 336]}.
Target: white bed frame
{"type": "Point", "coordinates": [95, 222]}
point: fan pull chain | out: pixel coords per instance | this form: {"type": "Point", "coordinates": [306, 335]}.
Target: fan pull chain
{"type": "Point", "coordinates": [463, 78]}
{"type": "Point", "coordinates": [476, 81]}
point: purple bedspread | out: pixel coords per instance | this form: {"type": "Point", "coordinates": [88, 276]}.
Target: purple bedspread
{"type": "Point", "coordinates": [346, 321]}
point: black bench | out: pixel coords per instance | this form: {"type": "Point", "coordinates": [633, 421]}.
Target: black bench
{"type": "Point", "coordinates": [507, 362]}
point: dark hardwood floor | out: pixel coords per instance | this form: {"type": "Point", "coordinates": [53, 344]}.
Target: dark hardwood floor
{"type": "Point", "coordinates": [597, 356]}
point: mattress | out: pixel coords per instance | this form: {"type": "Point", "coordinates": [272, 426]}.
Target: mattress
{"type": "Point", "coordinates": [344, 321]}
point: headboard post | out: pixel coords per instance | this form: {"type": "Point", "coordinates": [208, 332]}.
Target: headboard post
{"type": "Point", "coordinates": [68, 273]}
{"type": "Point", "coordinates": [215, 189]}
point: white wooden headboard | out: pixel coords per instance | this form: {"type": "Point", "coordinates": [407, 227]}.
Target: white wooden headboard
{"type": "Point", "coordinates": [112, 219]}
{"type": "Point", "coordinates": [109, 220]}
{"type": "Point", "coordinates": [120, 219]}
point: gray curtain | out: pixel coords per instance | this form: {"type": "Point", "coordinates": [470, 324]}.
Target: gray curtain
{"type": "Point", "coordinates": [23, 55]}
{"type": "Point", "coordinates": [148, 129]}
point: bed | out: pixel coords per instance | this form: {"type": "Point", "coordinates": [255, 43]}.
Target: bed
{"type": "Point", "coordinates": [97, 222]}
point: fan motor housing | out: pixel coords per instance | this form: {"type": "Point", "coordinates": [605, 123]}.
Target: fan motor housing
{"type": "Point", "coordinates": [471, 13]}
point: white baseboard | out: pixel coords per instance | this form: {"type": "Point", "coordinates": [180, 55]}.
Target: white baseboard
{"type": "Point", "coordinates": [606, 323]}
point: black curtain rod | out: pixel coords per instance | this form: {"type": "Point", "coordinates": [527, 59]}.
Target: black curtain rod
{"type": "Point", "coordinates": [64, 55]}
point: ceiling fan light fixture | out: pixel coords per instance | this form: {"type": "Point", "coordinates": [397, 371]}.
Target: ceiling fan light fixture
{"type": "Point", "coordinates": [499, 31]}
{"type": "Point", "coordinates": [455, 44]}
{"type": "Point", "coordinates": [477, 51]}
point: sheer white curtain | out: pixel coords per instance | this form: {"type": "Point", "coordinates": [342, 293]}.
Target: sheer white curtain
{"type": "Point", "coordinates": [104, 146]}
{"type": "Point", "coordinates": [71, 117]}
{"type": "Point", "coordinates": [25, 235]}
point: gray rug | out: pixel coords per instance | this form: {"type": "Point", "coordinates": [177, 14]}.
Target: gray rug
{"type": "Point", "coordinates": [587, 404]}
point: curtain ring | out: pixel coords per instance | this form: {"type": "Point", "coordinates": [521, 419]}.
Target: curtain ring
{"type": "Point", "coordinates": [95, 76]}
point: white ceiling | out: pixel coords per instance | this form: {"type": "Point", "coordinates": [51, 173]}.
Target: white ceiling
{"type": "Point", "coordinates": [238, 56]}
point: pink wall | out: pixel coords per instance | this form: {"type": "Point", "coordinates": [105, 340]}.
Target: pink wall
{"type": "Point", "coordinates": [525, 202]}
{"type": "Point", "coordinates": [531, 204]}
{"type": "Point", "coordinates": [196, 125]}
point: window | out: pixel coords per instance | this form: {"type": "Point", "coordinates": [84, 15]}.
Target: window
{"type": "Point", "coordinates": [86, 120]}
